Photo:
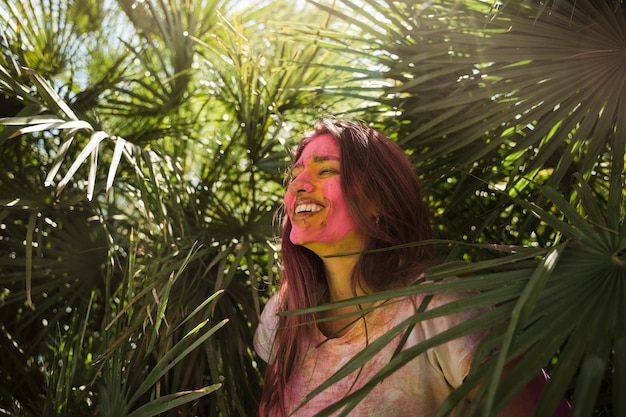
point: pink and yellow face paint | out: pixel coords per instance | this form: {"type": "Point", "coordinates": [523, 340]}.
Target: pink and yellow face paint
{"type": "Point", "coordinates": [315, 204]}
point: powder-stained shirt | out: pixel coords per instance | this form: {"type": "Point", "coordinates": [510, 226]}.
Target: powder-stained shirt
{"type": "Point", "coordinates": [416, 389]}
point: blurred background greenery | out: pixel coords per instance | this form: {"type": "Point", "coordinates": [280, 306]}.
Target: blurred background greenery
{"type": "Point", "coordinates": [142, 151]}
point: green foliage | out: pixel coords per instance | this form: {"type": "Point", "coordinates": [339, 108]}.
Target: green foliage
{"type": "Point", "coordinates": [142, 152]}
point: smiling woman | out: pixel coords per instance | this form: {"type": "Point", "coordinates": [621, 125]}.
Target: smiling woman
{"type": "Point", "coordinates": [352, 193]}
{"type": "Point", "coordinates": [352, 190]}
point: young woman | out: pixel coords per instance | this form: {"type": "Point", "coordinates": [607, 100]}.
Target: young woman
{"type": "Point", "coordinates": [353, 190]}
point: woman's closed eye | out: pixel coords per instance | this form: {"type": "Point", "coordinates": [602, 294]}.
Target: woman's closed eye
{"type": "Point", "coordinates": [324, 171]}
{"type": "Point", "coordinates": [328, 171]}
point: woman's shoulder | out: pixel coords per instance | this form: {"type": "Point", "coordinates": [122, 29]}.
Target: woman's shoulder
{"type": "Point", "coordinates": [266, 330]}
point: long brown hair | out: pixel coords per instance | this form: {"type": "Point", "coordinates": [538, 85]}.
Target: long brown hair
{"type": "Point", "coordinates": [375, 172]}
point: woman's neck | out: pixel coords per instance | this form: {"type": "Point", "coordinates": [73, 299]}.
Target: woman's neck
{"type": "Point", "coordinates": [338, 277]}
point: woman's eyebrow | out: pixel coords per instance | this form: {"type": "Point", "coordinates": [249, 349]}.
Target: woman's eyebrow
{"type": "Point", "coordinates": [323, 158]}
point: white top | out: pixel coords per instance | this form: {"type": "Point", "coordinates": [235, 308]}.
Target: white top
{"type": "Point", "coordinates": [416, 390]}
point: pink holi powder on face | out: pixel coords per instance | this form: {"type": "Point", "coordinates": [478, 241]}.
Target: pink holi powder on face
{"type": "Point", "coordinates": [317, 182]}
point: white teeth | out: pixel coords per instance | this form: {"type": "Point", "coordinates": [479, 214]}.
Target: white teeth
{"type": "Point", "coordinates": [307, 208]}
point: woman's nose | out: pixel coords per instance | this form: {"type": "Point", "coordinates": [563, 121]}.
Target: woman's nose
{"type": "Point", "coordinates": [300, 184]}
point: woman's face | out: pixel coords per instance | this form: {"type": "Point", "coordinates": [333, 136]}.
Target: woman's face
{"type": "Point", "coordinates": [315, 202]}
